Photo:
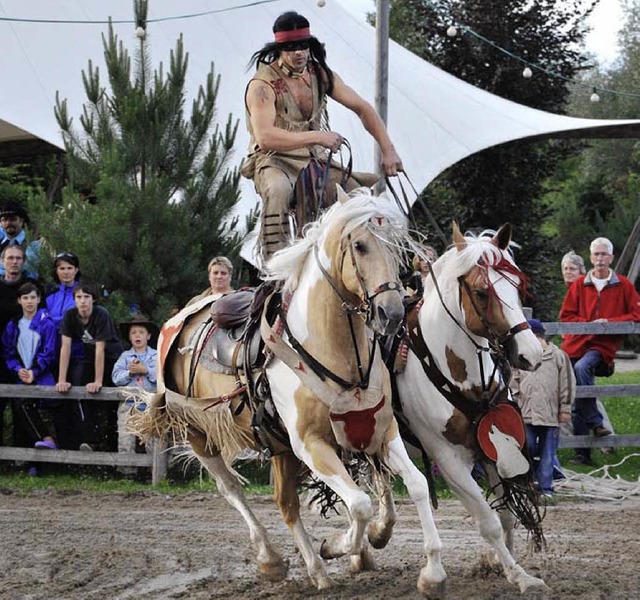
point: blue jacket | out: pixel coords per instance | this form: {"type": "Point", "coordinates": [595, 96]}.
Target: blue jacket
{"type": "Point", "coordinates": [45, 356]}
{"type": "Point", "coordinates": [60, 301]}
{"type": "Point", "coordinates": [121, 376]}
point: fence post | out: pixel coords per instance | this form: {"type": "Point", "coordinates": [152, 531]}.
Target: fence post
{"type": "Point", "coordinates": [160, 461]}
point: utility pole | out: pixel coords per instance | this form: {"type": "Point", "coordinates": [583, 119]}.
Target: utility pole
{"type": "Point", "coordinates": [382, 78]}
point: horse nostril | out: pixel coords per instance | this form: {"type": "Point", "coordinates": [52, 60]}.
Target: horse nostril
{"type": "Point", "coordinates": [382, 315]}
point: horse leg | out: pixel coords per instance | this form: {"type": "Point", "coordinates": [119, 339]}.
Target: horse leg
{"type": "Point", "coordinates": [270, 563]}
{"type": "Point", "coordinates": [323, 461]}
{"type": "Point", "coordinates": [285, 474]}
{"type": "Point", "coordinates": [458, 476]}
{"type": "Point", "coordinates": [380, 530]}
{"type": "Point", "coordinates": [432, 577]}
{"type": "Point", "coordinates": [507, 518]}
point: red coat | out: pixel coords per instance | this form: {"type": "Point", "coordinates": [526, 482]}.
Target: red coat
{"type": "Point", "coordinates": [618, 301]}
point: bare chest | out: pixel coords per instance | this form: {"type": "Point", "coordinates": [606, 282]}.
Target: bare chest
{"type": "Point", "coordinates": [300, 89]}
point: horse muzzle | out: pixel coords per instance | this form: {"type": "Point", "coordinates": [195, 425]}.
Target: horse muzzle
{"type": "Point", "coordinates": [523, 356]}
{"type": "Point", "coordinates": [387, 315]}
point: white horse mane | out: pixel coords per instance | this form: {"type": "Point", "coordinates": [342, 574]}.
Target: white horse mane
{"type": "Point", "coordinates": [286, 265]}
{"type": "Point", "coordinates": [454, 264]}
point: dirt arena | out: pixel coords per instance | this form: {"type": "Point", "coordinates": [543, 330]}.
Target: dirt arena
{"type": "Point", "coordinates": [148, 545]}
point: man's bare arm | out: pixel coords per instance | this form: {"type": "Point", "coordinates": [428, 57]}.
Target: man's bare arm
{"type": "Point", "coordinates": [262, 113]}
{"type": "Point", "coordinates": [372, 122]}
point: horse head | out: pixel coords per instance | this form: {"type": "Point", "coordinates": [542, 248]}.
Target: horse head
{"type": "Point", "coordinates": [364, 260]}
{"type": "Point", "coordinates": [490, 293]}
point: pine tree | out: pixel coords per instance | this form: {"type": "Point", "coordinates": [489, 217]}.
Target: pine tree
{"type": "Point", "coordinates": [150, 190]}
{"type": "Point", "coordinates": [503, 183]}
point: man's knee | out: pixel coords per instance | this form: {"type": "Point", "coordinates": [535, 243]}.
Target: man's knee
{"type": "Point", "coordinates": [275, 189]}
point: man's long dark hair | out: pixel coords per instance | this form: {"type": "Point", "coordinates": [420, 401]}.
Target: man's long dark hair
{"type": "Point", "coordinates": [291, 21]}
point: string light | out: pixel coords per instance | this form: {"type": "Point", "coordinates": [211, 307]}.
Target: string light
{"type": "Point", "coordinates": [321, 3]}
{"type": "Point", "coordinates": [452, 31]}
{"type": "Point", "coordinates": [595, 96]}
{"type": "Point", "coordinates": [527, 73]}
{"type": "Point", "coordinates": [140, 32]}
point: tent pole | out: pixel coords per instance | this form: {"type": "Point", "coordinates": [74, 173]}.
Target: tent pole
{"type": "Point", "coordinates": [382, 77]}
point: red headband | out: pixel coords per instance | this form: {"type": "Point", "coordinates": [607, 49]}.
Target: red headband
{"type": "Point", "coordinates": [295, 35]}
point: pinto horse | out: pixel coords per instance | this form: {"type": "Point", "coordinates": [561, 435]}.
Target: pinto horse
{"type": "Point", "coordinates": [327, 381]}
{"type": "Point", "coordinates": [472, 304]}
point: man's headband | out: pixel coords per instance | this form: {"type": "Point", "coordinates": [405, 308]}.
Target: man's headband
{"type": "Point", "coordinates": [295, 35]}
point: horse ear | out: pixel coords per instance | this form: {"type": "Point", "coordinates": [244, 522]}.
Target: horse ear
{"type": "Point", "coordinates": [502, 239]}
{"type": "Point", "coordinates": [458, 239]}
{"type": "Point", "coordinates": [341, 195]}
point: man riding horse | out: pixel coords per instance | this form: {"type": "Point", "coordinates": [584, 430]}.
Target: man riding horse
{"type": "Point", "coordinates": [286, 103]}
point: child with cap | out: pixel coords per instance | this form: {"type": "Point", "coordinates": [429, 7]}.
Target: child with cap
{"type": "Point", "coordinates": [545, 398]}
{"type": "Point", "coordinates": [136, 367]}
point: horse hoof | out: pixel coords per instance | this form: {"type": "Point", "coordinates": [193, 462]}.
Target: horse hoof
{"type": "Point", "coordinates": [432, 589]}
{"type": "Point", "coordinates": [532, 585]}
{"type": "Point", "coordinates": [379, 536]}
{"type": "Point", "coordinates": [275, 570]}
{"type": "Point", "coordinates": [330, 547]}
{"type": "Point", "coordinates": [362, 562]}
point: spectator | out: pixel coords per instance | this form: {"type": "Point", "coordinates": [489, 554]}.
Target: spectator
{"type": "Point", "coordinates": [415, 282]}
{"type": "Point", "coordinates": [136, 367]}
{"type": "Point", "coordinates": [600, 296]}
{"type": "Point", "coordinates": [220, 270]}
{"type": "Point", "coordinates": [13, 218]}
{"type": "Point", "coordinates": [66, 274]}
{"type": "Point", "coordinates": [12, 259]}
{"type": "Point", "coordinates": [545, 397]}
{"type": "Point", "coordinates": [572, 266]}
{"type": "Point", "coordinates": [286, 110]}
{"type": "Point", "coordinates": [29, 350]}
{"type": "Point", "coordinates": [93, 326]}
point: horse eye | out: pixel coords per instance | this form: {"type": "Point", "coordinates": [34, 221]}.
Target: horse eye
{"type": "Point", "coordinates": [360, 248]}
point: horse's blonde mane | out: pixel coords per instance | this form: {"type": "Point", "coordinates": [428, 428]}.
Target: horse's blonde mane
{"type": "Point", "coordinates": [286, 265]}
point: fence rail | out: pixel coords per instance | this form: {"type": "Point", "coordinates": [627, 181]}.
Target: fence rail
{"type": "Point", "coordinates": [158, 460]}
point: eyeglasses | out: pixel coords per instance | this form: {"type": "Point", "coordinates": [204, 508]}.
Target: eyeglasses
{"type": "Point", "coordinates": [293, 46]}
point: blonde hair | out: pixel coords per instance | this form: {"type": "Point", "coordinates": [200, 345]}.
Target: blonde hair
{"type": "Point", "coordinates": [220, 260]}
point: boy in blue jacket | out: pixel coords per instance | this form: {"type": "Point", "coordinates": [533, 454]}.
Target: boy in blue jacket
{"type": "Point", "coordinates": [29, 351]}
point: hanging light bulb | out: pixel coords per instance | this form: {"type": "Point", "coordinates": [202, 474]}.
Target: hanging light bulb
{"type": "Point", "coordinates": [452, 31]}
{"type": "Point", "coordinates": [141, 32]}
{"type": "Point", "coordinates": [321, 3]}
{"type": "Point", "coordinates": [527, 73]}
{"type": "Point", "coordinates": [595, 97]}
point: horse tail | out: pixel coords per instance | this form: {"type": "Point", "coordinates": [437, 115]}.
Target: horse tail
{"type": "Point", "coordinates": [151, 421]}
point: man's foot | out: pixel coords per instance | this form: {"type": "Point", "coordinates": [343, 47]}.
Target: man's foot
{"type": "Point", "coordinates": [607, 450]}
{"type": "Point", "coordinates": [84, 447]}
{"type": "Point", "coordinates": [601, 431]}
{"type": "Point", "coordinates": [558, 475]}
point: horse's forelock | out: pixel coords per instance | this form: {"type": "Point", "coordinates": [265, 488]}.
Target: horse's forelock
{"type": "Point", "coordinates": [287, 264]}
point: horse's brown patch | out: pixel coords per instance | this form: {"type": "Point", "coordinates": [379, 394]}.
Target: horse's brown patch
{"type": "Point", "coordinates": [458, 430]}
{"type": "Point", "coordinates": [457, 365]}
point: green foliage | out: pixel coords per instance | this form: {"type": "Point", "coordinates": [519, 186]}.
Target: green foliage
{"type": "Point", "coordinates": [151, 192]}
{"type": "Point", "coordinates": [504, 183]}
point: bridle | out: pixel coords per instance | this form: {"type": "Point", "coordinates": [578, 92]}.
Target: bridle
{"type": "Point", "coordinates": [363, 310]}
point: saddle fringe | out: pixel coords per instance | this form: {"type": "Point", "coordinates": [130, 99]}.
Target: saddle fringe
{"type": "Point", "coordinates": [172, 415]}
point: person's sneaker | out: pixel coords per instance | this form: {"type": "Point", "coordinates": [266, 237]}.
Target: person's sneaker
{"type": "Point", "coordinates": [601, 431]}
{"type": "Point", "coordinates": [32, 472]}
{"type": "Point", "coordinates": [84, 447]}
{"type": "Point", "coordinates": [558, 475]}
{"type": "Point", "coordinates": [46, 444]}
{"type": "Point", "coordinates": [607, 450]}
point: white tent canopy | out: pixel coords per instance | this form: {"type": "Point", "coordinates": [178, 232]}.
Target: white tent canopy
{"type": "Point", "coordinates": [435, 120]}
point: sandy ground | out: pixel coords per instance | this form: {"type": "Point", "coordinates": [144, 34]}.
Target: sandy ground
{"type": "Point", "coordinates": [147, 545]}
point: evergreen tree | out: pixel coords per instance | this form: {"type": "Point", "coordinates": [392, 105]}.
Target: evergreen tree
{"type": "Point", "coordinates": [150, 190]}
{"type": "Point", "coordinates": [503, 183]}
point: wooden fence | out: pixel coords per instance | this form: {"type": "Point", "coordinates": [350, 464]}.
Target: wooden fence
{"type": "Point", "coordinates": [599, 391]}
{"type": "Point", "coordinates": [159, 459]}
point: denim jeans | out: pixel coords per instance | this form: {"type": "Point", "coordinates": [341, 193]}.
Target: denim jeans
{"type": "Point", "coordinates": [585, 414]}
{"type": "Point", "coordinates": [542, 441]}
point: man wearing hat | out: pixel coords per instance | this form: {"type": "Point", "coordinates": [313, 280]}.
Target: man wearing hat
{"type": "Point", "coordinates": [13, 218]}
{"type": "Point", "coordinates": [545, 396]}
{"type": "Point", "coordinates": [136, 367]}
{"type": "Point", "coordinates": [286, 104]}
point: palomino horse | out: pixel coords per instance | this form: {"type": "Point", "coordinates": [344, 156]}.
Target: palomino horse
{"type": "Point", "coordinates": [327, 381]}
{"type": "Point", "coordinates": [471, 299]}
